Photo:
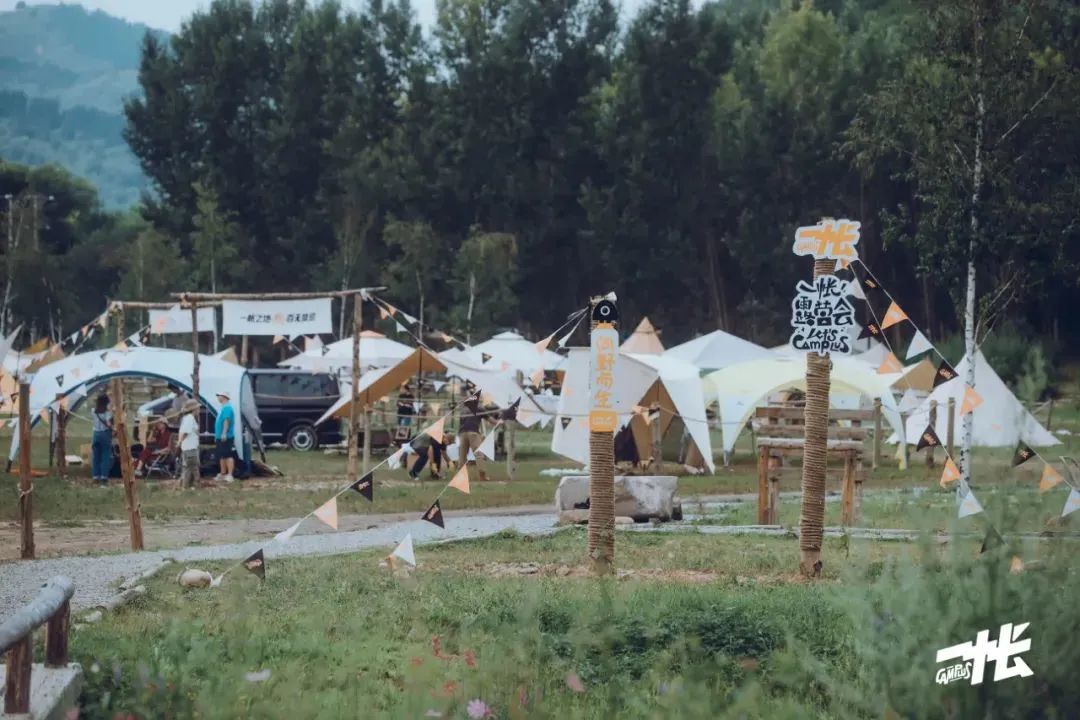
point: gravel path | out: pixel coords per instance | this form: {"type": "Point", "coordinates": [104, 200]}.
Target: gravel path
{"type": "Point", "coordinates": [98, 578]}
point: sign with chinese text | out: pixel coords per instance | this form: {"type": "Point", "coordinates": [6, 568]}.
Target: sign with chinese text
{"type": "Point", "coordinates": [828, 240]}
{"type": "Point", "coordinates": [604, 345]}
{"type": "Point", "coordinates": [822, 316]}
{"type": "Point", "coordinates": [276, 317]}
{"type": "Point", "coordinates": [178, 320]}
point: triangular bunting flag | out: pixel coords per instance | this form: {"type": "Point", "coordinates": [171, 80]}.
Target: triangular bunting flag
{"type": "Point", "coordinates": [537, 378]}
{"type": "Point", "coordinates": [382, 313]}
{"type": "Point", "coordinates": [434, 515]}
{"type": "Point", "coordinates": [1022, 455]}
{"type": "Point", "coordinates": [908, 401]}
{"type": "Point", "coordinates": [327, 513]}
{"type": "Point", "coordinates": [918, 345]}
{"type": "Point", "coordinates": [312, 343]}
{"type": "Point", "coordinates": [484, 357]}
{"type": "Point", "coordinates": [991, 540]}
{"type": "Point", "coordinates": [435, 430]}
{"type": "Point", "coordinates": [945, 373]}
{"type": "Point", "coordinates": [971, 400]}
{"type": "Point", "coordinates": [487, 447]}
{"type": "Point", "coordinates": [408, 318]}
{"type": "Point", "coordinates": [417, 406]}
{"type": "Point", "coordinates": [256, 564]}
{"type": "Point", "coordinates": [399, 328]}
{"type": "Point", "coordinates": [286, 535]}
{"type": "Point", "coordinates": [871, 330]}
{"type": "Point", "coordinates": [566, 338]}
{"type": "Point", "coordinates": [542, 345]}
{"type": "Point", "coordinates": [60, 381]}
{"type": "Point", "coordinates": [928, 438]}
{"type": "Point", "coordinates": [122, 345]}
{"type": "Point", "coordinates": [950, 474]}
{"type": "Point", "coordinates": [890, 365]}
{"type": "Point", "coordinates": [471, 457]}
{"type": "Point", "coordinates": [404, 550]}
{"type": "Point", "coordinates": [1050, 478]}
{"type": "Point", "coordinates": [461, 480]}
{"type": "Point", "coordinates": [969, 505]}
{"type": "Point", "coordinates": [1072, 503]}
{"type": "Point", "coordinates": [394, 461]}
{"type": "Point", "coordinates": [278, 338]}
{"type": "Point", "coordinates": [841, 264]}
{"type": "Point", "coordinates": [893, 315]}
{"type": "Point", "coordinates": [544, 420]}
{"type": "Point", "coordinates": [365, 486]}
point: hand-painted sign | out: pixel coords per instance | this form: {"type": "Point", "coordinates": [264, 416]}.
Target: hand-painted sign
{"type": "Point", "coordinates": [277, 317]}
{"type": "Point", "coordinates": [822, 317]}
{"type": "Point", "coordinates": [604, 344]}
{"type": "Point", "coordinates": [828, 240]}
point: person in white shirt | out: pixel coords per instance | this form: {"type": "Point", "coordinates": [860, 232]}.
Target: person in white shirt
{"type": "Point", "coordinates": [189, 444]}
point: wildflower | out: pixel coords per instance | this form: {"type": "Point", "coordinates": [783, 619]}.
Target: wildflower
{"type": "Point", "coordinates": [470, 658]}
{"type": "Point", "coordinates": [574, 682]}
{"type": "Point", "coordinates": [478, 709]}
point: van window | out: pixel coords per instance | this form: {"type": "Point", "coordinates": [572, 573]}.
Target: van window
{"type": "Point", "coordinates": [295, 385]}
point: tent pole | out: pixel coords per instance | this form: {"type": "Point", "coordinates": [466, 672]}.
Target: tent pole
{"type": "Point", "coordinates": [195, 350]}
{"type": "Point", "coordinates": [61, 435]}
{"type": "Point", "coordinates": [354, 406]}
{"type": "Point", "coordinates": [127, 471]}
{"type": "Point", "coordinates": [26, 482]}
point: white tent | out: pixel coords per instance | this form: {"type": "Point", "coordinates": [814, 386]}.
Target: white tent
{"type": "Point", "coordinates": [644, 340]}
{"type": "Point", "coordinates": [717, 350]}
{"type": "Point", "coordinates": [743, 387]}
{"type": "Point", "coordinates": [75, 374]}
{"type": "Point", "coordinates": [635, 376]}
{"type": "Point", "coordinates": [376, 351]}
{"type": "Point", "coordinates": [518, 354]}
{"type": "Point", "coordinates": [1000, 421]}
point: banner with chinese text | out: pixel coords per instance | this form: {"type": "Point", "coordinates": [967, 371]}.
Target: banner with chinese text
{"type": "Point", "coordinates": [604, 351]}
{"type": "Point", "coordinates": [277, 317]}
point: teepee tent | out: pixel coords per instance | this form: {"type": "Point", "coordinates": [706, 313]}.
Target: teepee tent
{"type": "Point", "coordinates": [1000, 421]}
{"type": "Point", "coordinates": [644, 340]}
{"type": "Point", "coordinates": [717, 350]}
{"type": "Point", "coordinates": [518, 354]}
{"type": "Point", "coordinates": [376, 351]}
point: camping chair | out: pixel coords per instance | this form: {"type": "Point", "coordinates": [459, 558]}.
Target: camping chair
{"type": "Point", "coordinates": [164, 461]}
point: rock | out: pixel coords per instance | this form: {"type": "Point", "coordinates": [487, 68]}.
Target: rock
{"type": "Point", "coordinates": [195, 578]}
{"type": "Point", "coordinates": [92, 617]}
{"type": "Point", "coordinates": [562, 571]}
{"type": "Point", "coordinates": [641, 497]}
{"type": "Point", "coordinates": [623, 520]}
{"type": "Point", "coordinates": [573, 517]}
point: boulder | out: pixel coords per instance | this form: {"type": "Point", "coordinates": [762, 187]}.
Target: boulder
{"type": "Point", "coordinates": [641, 497]}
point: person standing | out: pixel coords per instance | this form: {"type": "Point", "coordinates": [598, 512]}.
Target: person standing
{"type": "Point", "coordinates": [101, 420]}
{"type": "Point", "coordinates": [225, 436]}
{"type": "Point", "coordinates": [470, 434]}
{"type": "Point", "coordinates": [189, 445]}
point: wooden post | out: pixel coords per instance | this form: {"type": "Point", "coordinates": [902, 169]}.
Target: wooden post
{"type": "Point", "coordinates": [56, 637]}
{"type": "Point", "coordinates": [933, 424]}
{"type": "Point", "coordinates": [603, 317]}
{"type": "Point", "coordinates": [877, 433]}
{"type": "Point", "coordinates": [511, 449]}
{"type": "Point", "coordinates": [949, 431]}
{"type": "Point", "coordinates": [17, 681]}
{"type": "Point", "coordinates": [195, 351]}
{"type": "Point", "coordinates": [774, 500]}
{"type": "Point", "coordinates": [905, 447]}
{"type": "Point", "coordinates": [847, 496]}
{"type": "Point", "coordinates": [127, 471]}
{"type": "Point", "coordinates": [61, 434]}
{"type": "Point", "coordinates": [244, 351]}
{"type": "Point", "coordinates": [657, 446]}
{"type": "Point", "coordinates": [369, 420]}
{"type": "Point", "coordinates": [763, 485]}
{"type": "Point", "coordinates": [1049, 416]}
{"type": "Point", "coordinates": [354, 406]}
{"type": "Point", "coordinates": [26, 482]}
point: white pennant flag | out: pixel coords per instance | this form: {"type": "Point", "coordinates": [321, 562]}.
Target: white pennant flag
{"type": "Point", "coordinates": [855, 290]}
{"type": "Point", "coordinates": [487, 447]}
{"type": "Point", "coordinates": [471, 457]}
{"type": "Point", "coordinates": [1072, 504]}
{"type": "Point", "coordinates": [216, 581]}
{"type": "Point", "coordinates": [919, 345]}
{"type": "Point", "coordinates": [544, 420]}
{"type": "Point", "coordinates": [969, 505]}
{"type": "Point", "coordinates": [566, 338]}
{"type": "Point", "coordinates": [394, 461]}
{"type": "Point", "coordinates": [438, 385]}
{"type": "Point", "coordinates": [526, 418]}
{"type": "Point", "coordinates": [327, 513]}
{"type": "Point", "coordinates": [404, 550]}
{"type": "Point", "coordinates": [408, 318]}
{"type": "Point", "coordinates": [908, 401]}
{"type": "Point", "coordinates": [452, 450]}
{"type": "Point", "coordinates": [399, 328]}
{"type": "Point", "coordinates": [286, 535]}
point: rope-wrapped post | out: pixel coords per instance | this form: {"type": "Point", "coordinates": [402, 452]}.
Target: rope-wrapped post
{"type": "Point", "coordinates": [815, 452]}
{"type": "Point", "coordinates": [602, 422]}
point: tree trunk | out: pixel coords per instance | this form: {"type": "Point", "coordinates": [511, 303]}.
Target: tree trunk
{"type": "Point", "coordinates": [815, 452]}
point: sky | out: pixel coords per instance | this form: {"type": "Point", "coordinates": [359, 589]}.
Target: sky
{"type": "Point", "coordinates": [168, 14]}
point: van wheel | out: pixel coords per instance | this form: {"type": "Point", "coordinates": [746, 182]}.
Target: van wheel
{"type": "Point", "coordinates": [302, 437]}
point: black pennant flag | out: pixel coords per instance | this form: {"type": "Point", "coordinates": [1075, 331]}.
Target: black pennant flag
{"type": "Point", "coordinates": [510, 413]}
{"type": "Point", "coordinates": [434, 514]}
{"type": "Point", "coordinates": [484, 357]}
{"type": "Point", "coordinates": [1023, 454]}
{"type": "Point", "coordinates": [871, 330]}
{"type": "Point", "coordinates": [928, 438]}
{"type": "Point", "coordinates": [565, 422]}
{"type": "Point", "coordinates": [104, 355]}
{"type": "Point", "coordinates": [365, 486]}
{"type": "Point", "coordinates": [256, 564]}
{"type": "Point", "coordinates": [992, 540]}
{"type": "Point", "coordinates": [60, 380]}
{"type": "Point", "coordinates": [945, 373]}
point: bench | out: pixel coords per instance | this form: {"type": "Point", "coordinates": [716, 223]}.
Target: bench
{"type": "Point", "coordinates": [780, 432]}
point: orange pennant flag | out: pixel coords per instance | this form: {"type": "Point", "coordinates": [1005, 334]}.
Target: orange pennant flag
{"type": "Point", "coordinates": [121, 345]}
{"type": "Point", "coordinates": [971, 401]}
{"type": "Point", "coordinates": [951, 474]}
{"type": "Point", "coordinates": [436, 430]}
{"type": "Point", "coordinates": [382, 313]}
{"type": "Point", "coordinates": [893, 315]}
{"type": "Point", "coordinates": [1050, 478]}
{"type": "Point", "coordinates": [327, 513]}
{"type": "Point", "coordinates": [890, 365]}
{"type": "Point", "coordinates": [461, 480]}
{"type": "Point", "coordinates": [1016, 565]}
{"type": "Point", "coordinates": [542, 345]}
{"type": "Point", "coordinates": [278, 338]}
{"type": "Point", "coordinates": [537, 378]}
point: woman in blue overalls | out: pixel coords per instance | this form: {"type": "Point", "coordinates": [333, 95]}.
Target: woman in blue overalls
{"type": "Point", "coordinates": [102, 421]}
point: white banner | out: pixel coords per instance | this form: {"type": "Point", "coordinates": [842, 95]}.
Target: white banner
{"type": "Point", "coordinates": [604, 348]}
{"type": "Point", "coordinates": [178, 320]}
{"type": "Point", "coordinates": [277, 317]}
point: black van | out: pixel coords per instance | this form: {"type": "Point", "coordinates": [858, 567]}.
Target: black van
{"type": "Point", "coordinates": [289, 403]}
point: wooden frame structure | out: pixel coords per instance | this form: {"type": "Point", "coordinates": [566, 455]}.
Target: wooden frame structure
{"type": "Point", "coordinates": [52, 608]}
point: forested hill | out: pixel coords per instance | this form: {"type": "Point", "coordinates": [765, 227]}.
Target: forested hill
{"type": "Point", "coordinates": [64, 73]}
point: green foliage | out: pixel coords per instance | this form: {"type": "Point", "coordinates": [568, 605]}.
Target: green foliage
{"type": "Point", "coordinates": [486, 268]}
{"type": "Point", "coordinates": [1034, 379]}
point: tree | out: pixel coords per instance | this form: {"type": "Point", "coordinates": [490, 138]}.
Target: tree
{"type": "Point", "coordinates": [485, 271]}
{"type": "Point", "coordinates": [415, 269]}
{"type": "Point", "coordinates": [216, 252]}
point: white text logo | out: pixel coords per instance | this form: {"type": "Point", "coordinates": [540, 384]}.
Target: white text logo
{"type": "Point", "coordinates": [975, 655]}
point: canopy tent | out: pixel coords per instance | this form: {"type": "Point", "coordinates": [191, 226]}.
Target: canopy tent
{"type": "Point", "coordinates": [518, 353]}
{"type": "Point", "coordinates": [641, 380]}
{"type": "Point", "coordinates": [498, 387]}
{"type": "Point", "coordinates": [743, 387]}
{"type": "Point", "coordinates": [644, 340]}
{"type": "Point", "coordinates": [1000, 421]}
{"type": "Point", "coordinates": [718, 350]}
{"type": "Point", "coordinates": [376, 351]}
{"type": "Point", "coordinates": [75, 374]}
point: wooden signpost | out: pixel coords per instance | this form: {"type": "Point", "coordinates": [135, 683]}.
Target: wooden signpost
{"type": "Point", "coordinates": [603, 421]}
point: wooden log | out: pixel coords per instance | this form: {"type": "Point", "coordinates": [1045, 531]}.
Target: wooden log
{"type": "Point", "coordinates": [127, 470]}
{"type": "Point", "coordinates": [204, 298]}
{"type": "Point", "coordinates": [774, 500]}
{"type": "Point", "coordinates": [763, 485]}
{"type": "Point", "coordinates": [796, 413]}
{"type": "Point", "coordinates": [933, 423]}
{"type": "Point", "coordinates": [17, 680]}
{"type": "Point", "coordinates": [61, 434]}
{"type": "Point", "coordinates": [354, 406]}
{"type": "Point", "coordinates": [877, 434]}
{"type": "Point", "coordinates": [26, 480]}
{"type": "Point", "coordinates": [56, 637]}
{"type": "Point", "coordinates": [795, 443]}
{"type": "Point", "coordinates": [511, 449]}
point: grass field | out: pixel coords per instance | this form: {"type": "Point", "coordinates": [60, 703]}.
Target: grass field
{"type": "Point", "coordinates": [700, 627]}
